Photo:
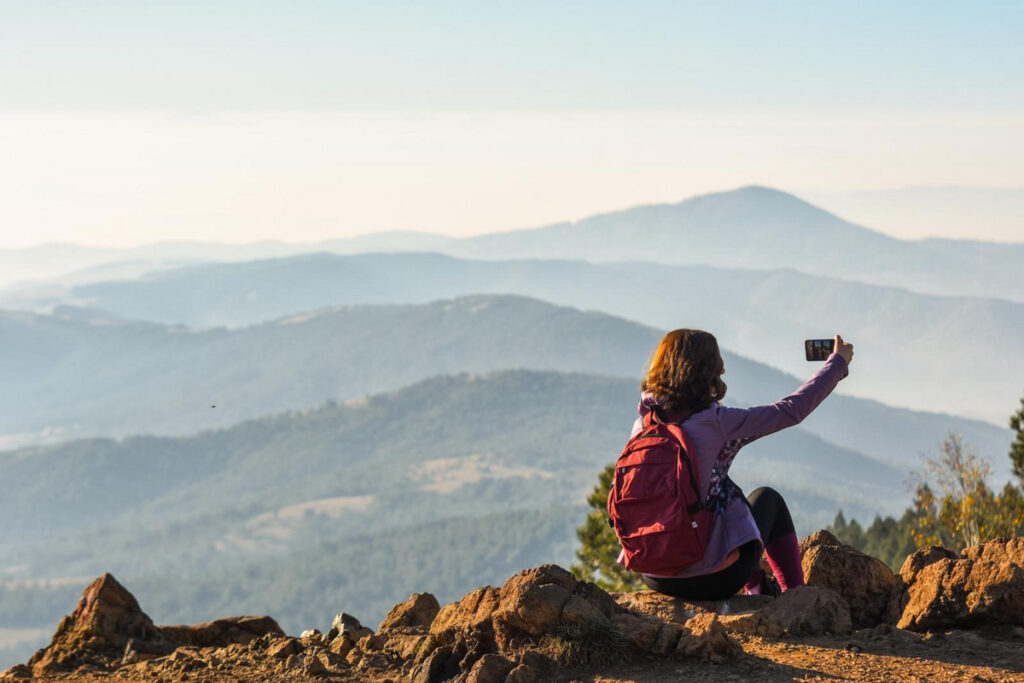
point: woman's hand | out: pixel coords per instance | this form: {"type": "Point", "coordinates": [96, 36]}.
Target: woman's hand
{"type": "Point", "coordinates": [843, 349]}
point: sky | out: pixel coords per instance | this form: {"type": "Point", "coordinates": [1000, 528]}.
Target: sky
{"type": "Point", "coordinates": [123, 123]}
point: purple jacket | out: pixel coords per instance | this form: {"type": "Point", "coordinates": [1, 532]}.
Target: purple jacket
{"type": "Point", "coordinates": [717, 433]}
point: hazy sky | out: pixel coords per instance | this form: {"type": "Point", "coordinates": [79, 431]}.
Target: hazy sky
{"type": "Point", "coordinates": [129, 122]}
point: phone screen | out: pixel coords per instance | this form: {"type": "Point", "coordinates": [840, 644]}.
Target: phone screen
{"type": "Point", "coordinates": [818, 349]}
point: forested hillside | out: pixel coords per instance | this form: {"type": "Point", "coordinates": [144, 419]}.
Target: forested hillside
{"type": "Point", "coordinates": [354, 506]}
{"type": "Point", "coordinates": [83, 375]}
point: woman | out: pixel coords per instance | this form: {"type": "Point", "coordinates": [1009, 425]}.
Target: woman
{"type": "Point", "coordinates": [684, 385]}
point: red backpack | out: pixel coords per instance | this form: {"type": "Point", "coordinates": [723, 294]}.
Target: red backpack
{"type": "Point", "coordinates": [655, 505]}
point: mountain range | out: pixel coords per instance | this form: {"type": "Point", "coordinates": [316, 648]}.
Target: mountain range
{"type": "Point", "coordinates": [751, 227]}
{"type": "Point", "coordinates": [926, 352]}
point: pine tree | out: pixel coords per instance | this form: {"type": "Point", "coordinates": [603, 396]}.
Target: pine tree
{"type": "Point", "coordinates": [1017, 447]}
{"type": "Point", "coordinates": [599, 548]}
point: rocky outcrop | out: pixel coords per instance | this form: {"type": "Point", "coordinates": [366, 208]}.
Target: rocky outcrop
{"type": "Point", "coordinates": [868, 586]}
{"type": "Point", "coordinates": [984, 587]}
{"type": "Point", "coordinates": [108, 630]}
{"type": "Point", "coordinates": [543, 620]}
{"type": "Point", "coordinates": [546, 615]}
{"type": "Point", "coordinates": [106, 619]}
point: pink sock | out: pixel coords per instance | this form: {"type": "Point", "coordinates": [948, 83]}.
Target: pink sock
{"type": "Point", "coordinates": [784, 559]}
{"type": "Point", "coordinates": [753, 586]}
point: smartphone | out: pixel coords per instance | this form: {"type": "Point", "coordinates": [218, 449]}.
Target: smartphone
{"type": "Point", "coordinates": [819, 349]}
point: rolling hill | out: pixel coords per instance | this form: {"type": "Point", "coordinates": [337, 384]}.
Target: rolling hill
{"type": "Point", "coordinates": [73, 374]}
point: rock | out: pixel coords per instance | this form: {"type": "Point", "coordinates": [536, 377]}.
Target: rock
{"type": "Point", "coordinates": [311, 633]}
{"type": "Point", "coordinates": [16, 672]}
{"type": "Point", "coordinates": [418, 611]}
{"type": "Point", "coordinates": [404, 645]}
{"type": "Point", "coordinates": [370, 643]}
{"type": "Point", "coordinates": [667, 640]}
{"type": "Point", "coordinates": [524, 673]}
{"type": "Point", "coordinates": [407, 626]}
{"type": "Point", "coordinates": [578, 610]}
{"type": "Point", "coordinates": [284, 648]}
{"type": "Point", "coordinates": [641, 630]}
{"type": "Point", "coordinates": [438, 666]}
{"type": "Point", "coordinates": [921, 558]}
{"type": "Point", "coordinates": [809, 610]}
{"type": "Point", "coordinates": [866, 584]}
{"type": "Point", "coordinates": [223, 632]}
{"type": "Point", "coordinates": [312, 666]}
{"type": "Point", "coordinates": [348, 625]}
{"type": "Point", "coordinates": [490, 668]}
{"type": "Point", "coordinates": [740, 604]}
{"type": "Point", "coordinates": [532, 601]}
{"type": "Point", "coordinates": [341, 645]}
{"type": "Point", "coordinates": [751, 624]}
{"type": "Point", "coordinates": [604, 602]}
{"type": "Point", "coordinates": [538, 661]}
{"type": "Point", "coordinates": [474, 609]}
{"type": "Point", "coordinates": [819, 537]}
{"type": "Point", "coordinates": [704, 638]}
{"type": "Point", "coordinates": [663, 607]}
{"type": "Point", "coordinates": [140, 652]}
{"type": "Point", "coordinates": [97, 632]}
{"type": "Point", "coordinates": [1000, 551]}
{"type": "Point", "coordinates": [964, 593]}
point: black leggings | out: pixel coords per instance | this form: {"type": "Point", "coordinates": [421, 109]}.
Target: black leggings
{"type": "Point", "coordinates": [773, 520]}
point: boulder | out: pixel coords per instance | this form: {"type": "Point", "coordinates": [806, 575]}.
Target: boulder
{"type": "Point", "coordinates": [921, 558]}
{"type": "Point", "coordinates": [474, 609]}
{"type": "Point", "coordinates": [416, 612]}
{"type": "Point", "coordinates": [532, 601]}
{"type": "Point", "coordinates": [964, 593]}
{"type": "Point", "coordinates": [868, 586]}
{"type": "Point", "coordinates": [407, 626]}
{"type": "Point", "coordinates": [97, 633]}
{"type": "Point", "coordinates": [809, 610]}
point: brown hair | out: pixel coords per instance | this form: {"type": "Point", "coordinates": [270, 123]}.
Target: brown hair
{"type": "Point", "coordinates": [685, 372]}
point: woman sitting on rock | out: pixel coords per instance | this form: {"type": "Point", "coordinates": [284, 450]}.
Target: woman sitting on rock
{"type": "Point", "coordinates": [684, 386]}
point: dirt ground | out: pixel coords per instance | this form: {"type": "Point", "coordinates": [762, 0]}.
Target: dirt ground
{"type": "Point", "coordinates": [958, 656]}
